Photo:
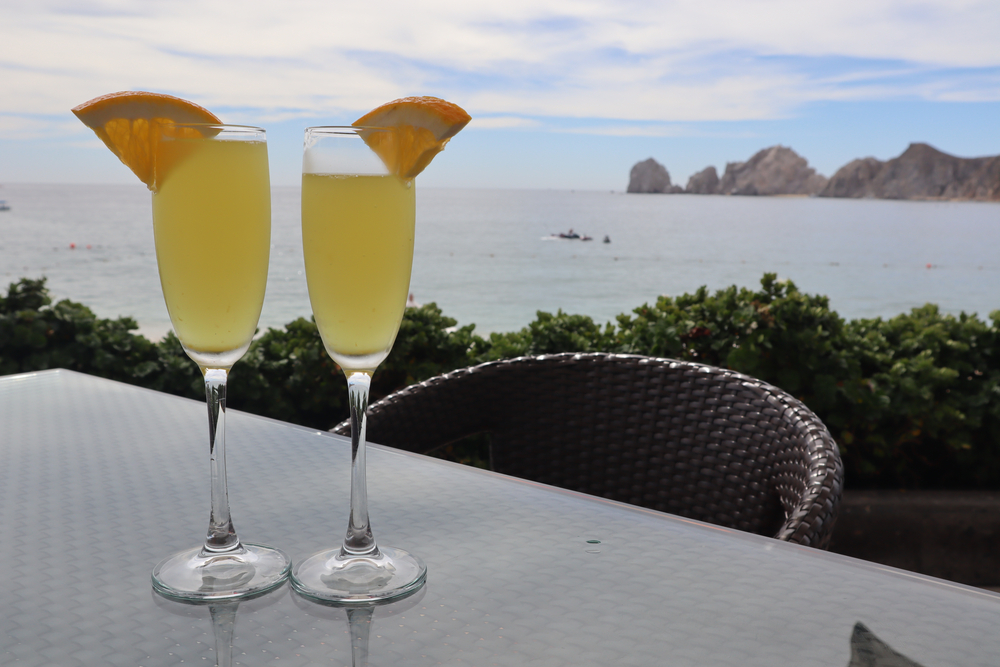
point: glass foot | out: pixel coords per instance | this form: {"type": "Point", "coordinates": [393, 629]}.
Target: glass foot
{"type": "Point", "coordinates": [330, 576]}
{"type": "Point", "coordinates": [191, 575]}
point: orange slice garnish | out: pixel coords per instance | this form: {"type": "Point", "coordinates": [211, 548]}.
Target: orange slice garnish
{"type": "Point", "coordinates": [131, 124]}
{"type": "Point", "coordinates": [422, 126]}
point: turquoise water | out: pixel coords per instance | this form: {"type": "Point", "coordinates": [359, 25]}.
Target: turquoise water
{"type": "Point", "coordinates": [486, 256]}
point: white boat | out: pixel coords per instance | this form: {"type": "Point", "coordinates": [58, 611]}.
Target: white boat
{"type": "Point", "coordinates": [4, 206]}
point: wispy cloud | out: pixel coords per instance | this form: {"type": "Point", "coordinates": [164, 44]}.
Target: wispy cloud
{"type": "Point", "coordinates": [664, 62]}
{"type": "Point", "coordinates": [654, 130]}
{"type": "Point", "coordinates": [503, 122]}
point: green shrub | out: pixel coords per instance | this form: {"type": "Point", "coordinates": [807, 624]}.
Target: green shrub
{"type": "Point", "coordinates": [927, 412]}
{"type": "Point", "coordinates": [776, 334]}
{"type": "Point", "coordinates": [36, 335]}
{"type": "Point", "coordinates": [428, 344]}
{"type": "Point", "coordinates": [913, 401]}
{"type": "Point", "coordinates": [286, 374]}
{"type": "Point", "coordinates": [548, 334]}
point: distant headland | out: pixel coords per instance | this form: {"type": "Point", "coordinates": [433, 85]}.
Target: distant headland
{"type": "Point", "coordinates": [921, 172]}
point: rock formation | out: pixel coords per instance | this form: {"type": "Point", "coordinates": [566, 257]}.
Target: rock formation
{"type": "Point", "coordinates": [853, 177]}
{"type": "Point", "coordinates": [705, 182]}
{"type": "Point", "coordinates": [772, 171]}
{"type": "Point", "coordinates": [651, 176]}
{"type": "Point", "coordinates": [921, 172]}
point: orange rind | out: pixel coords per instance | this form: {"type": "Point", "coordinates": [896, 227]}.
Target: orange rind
{"type": "Point", "coordinates": [131, 124]}
{"type": "Point", "coordinates": [421, 126]}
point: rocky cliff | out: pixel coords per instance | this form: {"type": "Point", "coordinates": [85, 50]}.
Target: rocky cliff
{"type": "Point", "coordinates": [773, 171]}
{"type": "Point", "coordinates": [705, 182]}
{"type": "Point", "coordinates": [921, 172]}
{"type": "Point", "coordinates": [649, 176]}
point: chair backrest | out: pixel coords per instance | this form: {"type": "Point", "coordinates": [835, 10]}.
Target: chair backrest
{"type": "Point", "coordinates": [679, 437]}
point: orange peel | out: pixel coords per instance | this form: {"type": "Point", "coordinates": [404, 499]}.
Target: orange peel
{"type": "Point", "coordinates": [131, 124]}
{"type": "Point", "coordinates": [421, 128]}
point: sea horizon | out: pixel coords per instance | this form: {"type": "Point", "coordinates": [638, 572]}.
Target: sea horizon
{"type": "Point", "coordinates": [486, 255]}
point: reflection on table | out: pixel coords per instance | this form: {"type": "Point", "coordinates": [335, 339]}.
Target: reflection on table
{"type": "Point", "coordinates": [518, 573]}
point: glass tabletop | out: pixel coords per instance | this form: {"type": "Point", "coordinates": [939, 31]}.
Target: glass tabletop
{"type": "Point", "coordinates": [571, 579]}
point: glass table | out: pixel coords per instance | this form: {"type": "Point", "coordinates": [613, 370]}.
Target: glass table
{"type": "Point", "coordinates": [518, 573]}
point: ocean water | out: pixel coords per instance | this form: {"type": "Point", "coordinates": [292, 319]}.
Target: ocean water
{"type": "Point", "coordinates": [487, 256]}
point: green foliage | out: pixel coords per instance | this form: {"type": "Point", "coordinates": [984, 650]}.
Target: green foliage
{"type": "Point", "coordinates": [428, 344]}
{"type": "Point", "coordinates": [287, 374]}
{"type": "Point", "coordinates": [35, 335]}
{"type": "Point", "coordinates": [913, 401]}
{"type": "Point", "coordinates": [776, 334]}
{"type": "Point", "coordinates": [548, 334]}
{"type": "Point", "coordinates": [926, 412]}
{"type": "Point", "coordinates": [176, 373]}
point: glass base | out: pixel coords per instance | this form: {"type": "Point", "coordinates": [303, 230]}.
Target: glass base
{"type": "Point", "coordinates": [328, 576]}
{"type": "Point", "coordinates": [191, 575]}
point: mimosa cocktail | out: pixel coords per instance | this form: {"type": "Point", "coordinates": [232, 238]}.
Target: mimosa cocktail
{"type": "Point", "coordinates": [357, 237]}
{"type": "Point", "coordinates": [357, 234]}
{"type": "Point", "coordinates": [212, 227]}
{"type": "Point", "coordinates": [350, 222]}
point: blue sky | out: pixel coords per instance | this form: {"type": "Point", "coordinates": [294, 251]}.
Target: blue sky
{"type": "Point", "coordinates": [564, 94]}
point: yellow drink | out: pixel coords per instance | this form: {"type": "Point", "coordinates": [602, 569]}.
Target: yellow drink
{"type": "Point", "coordinates": [212, 225]}
{"type": "Point", "coordinates": [357, 235]}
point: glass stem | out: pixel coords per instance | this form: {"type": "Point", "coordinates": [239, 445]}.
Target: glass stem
{"type": "Point", "coordinates": [221, 533]}
{"type": "Point", "coordinates": [359, 540]}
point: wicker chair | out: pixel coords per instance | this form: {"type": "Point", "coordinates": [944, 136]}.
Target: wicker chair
{"type": "Point", "coordinates": [689, 439]}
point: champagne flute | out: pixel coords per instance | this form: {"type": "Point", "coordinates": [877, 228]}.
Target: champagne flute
{"type": "Point", "coordinates": [212, 227]}
{"type": "Point", "coordinates": [357, 238]}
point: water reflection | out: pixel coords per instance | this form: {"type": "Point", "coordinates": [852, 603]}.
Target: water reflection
{"type": "Point", "coordinates": [360, 617]}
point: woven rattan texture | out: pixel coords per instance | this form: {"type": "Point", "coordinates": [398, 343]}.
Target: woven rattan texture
{"type": "Point", "coordinates": [688, 439]}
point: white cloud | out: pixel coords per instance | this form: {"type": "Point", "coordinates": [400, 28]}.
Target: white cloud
{"type": "Point", "coordinates": [500, 122]}
{"type": "Point", "coordinates": [611, 59]}
{"type": "Point", "coordinates": [655, 130]}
